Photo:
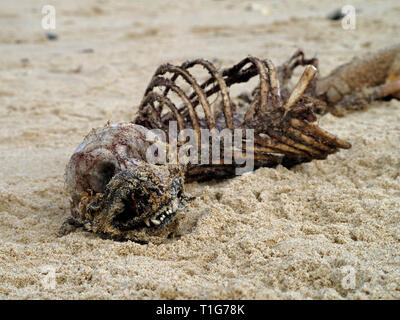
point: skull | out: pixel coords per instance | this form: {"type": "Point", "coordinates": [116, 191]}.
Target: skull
{"type": "Point", "coordinates": [115, 192]}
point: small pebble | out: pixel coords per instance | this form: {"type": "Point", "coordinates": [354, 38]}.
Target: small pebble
{"type": "Point", "coordinates": [51, 36]}
{"type": "Point", "coordinates": [337, 14]}
{"type": "Point", "coordinates": [25, 62]}
{"type": "Point", "coordinates": [87, 50]}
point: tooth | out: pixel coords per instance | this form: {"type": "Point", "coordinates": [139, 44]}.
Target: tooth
{"type": "Point", "coordinates": [155, 221]}
{"type": "Point", "coordinates": [147, 222]}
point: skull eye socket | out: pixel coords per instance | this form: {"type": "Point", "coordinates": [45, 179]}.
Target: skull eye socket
{"type": "Point", "coordinates": [106, 172]}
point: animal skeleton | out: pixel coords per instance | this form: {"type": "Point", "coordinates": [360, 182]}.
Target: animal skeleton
{"type": "Point", "coordinates": [117, 193]}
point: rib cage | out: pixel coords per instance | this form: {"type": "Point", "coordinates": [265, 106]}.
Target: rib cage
{"type": "Point", "coordinates": [283, 132]}
{"type": "Point", "coordinates": [217, 82]}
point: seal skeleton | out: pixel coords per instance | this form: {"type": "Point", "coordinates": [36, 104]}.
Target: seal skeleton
{"type": "Point", "coordinates": [118, 194]}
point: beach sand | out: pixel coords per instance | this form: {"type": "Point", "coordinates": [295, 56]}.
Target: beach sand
{"type": "Point", "coordinates": [323, 230]}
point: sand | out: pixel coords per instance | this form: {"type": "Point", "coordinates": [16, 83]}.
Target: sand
{"type": "Point", "coordinates": [324, 230]}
